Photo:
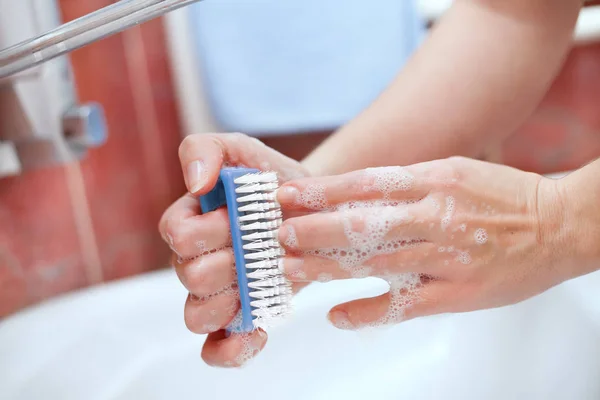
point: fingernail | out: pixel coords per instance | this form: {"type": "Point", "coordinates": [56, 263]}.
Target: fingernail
{"type": "Point", "coordinates": [287, 195]}
{"type": "Point", "coordinates": [262, 335]}
{"type": "Point", "coordinates": [340, 320]}
{"type": "Point", "coordinates": [196, 176]}
{"type": "Point", "coordinates": [287, 236]}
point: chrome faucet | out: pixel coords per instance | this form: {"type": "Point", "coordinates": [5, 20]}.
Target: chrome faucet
{"type": "Point", "coordinates": [42, 123]}
{"type": "Point", "coordinates": [80, 32]}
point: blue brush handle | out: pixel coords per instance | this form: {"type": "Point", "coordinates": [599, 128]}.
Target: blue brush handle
{"type": "Point", "coordinates": [223, 194]}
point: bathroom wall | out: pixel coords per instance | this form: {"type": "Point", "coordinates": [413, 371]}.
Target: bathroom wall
{"type": "Point", "coordinates": [68, 227]}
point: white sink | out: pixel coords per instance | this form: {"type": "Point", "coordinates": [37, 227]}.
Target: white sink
{"type": "Point", "coordinates": [127, 340]}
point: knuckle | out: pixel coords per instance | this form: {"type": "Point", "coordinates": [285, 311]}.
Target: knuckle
{"type": "Point", "coordinates": [448, 173]}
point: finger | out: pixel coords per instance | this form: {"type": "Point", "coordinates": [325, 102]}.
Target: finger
{"type": "Point", "coordinates": [211, 313]}
{"type": "Point", "coordinates": [203, 155]}
{"type": "Point", "coordinates": [388, 183]}
{"type": "Point", "coordinates": [400, 304]}
{"type": "Point", "coordinates": [310, 268]}
{"type": "Point", "coordinates": [355, 227]}
{"type": "Point", "coordinates": [233, 351]}
{"type": "Point", "coordinates": [421, 257]}
{"type": "Point", "coordinates": [191, 236]}
{"type": "Point", "coordinates": [327, 265]}
{"type": "Point", "coordinates": [208, 274]}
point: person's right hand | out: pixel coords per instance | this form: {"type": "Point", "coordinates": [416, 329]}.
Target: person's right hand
{"type": "Point", "coordinates": [203, 257]}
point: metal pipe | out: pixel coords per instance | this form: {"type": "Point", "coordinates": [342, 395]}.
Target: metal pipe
{"type": "Point", "coordinates": [83, 31]}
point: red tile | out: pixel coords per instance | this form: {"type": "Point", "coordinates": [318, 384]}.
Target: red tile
{"type": "Point", "coordinates": [564, 133]}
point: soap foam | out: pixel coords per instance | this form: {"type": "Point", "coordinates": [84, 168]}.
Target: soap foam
{"type": "Point", "coordinates": [447, 218]}
{"type": "Point", "coordinates": [404, 292]}
{"type": "Point", "coordinates": [388, 180]}
{"type": "Point", "coordinates": [210, 328]}
{"type": "Point", "coordinates": [324, 277]}
{"type": "Point", "coordinates": [313, 198]}
{"type": "Point", "coordinates": [464, 257]}
{"type": "Point", "coordinates": [249, 350]}
{"type": "Point", "coordinates": [481, 236]}
{"type": "Point", "coordinates": [291, 241]}
{"type": "Point", "coordinates": [368, 239]}
{"type": "Point", "coordinates": [201, 246]}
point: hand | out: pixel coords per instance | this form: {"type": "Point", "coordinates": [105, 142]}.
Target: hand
{"type": "Point", "coordinates": [203, 257]}
{"type": "Point", "coordinates": [453, 235]}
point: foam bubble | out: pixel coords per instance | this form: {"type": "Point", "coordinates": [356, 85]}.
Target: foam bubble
{"type": "Point", "coordinates": [201, 245]}
{"type": "Point", "coordinates": [481, 236]}
{"type": "Point", "coordinates": [360, 273]}
{"type": "Point", "coordinates": [369, 239]}
{"type": "Point", "coordinates": [464, 257]}
{"type": "Point", "coordinates": [291, 241]}
{"type": "Point", "coordinates": [463, 227]}
{"type": "Point", "coordinates": [249, 350]}
{"type": "Point", "coordinates": [210, 328]}
{"type": "Point", "coordinates": [324, 277]}
{"type": "Point", "coordinates": [299, 274]}
{"type": "Point", "coordinates": [389, 180]}
{"type": "Point", "coordinates": [447, 218]}
{"type": "Point", "coordinates": [404, 291]}
{"type": "Point", "coordinates": [313, 197]}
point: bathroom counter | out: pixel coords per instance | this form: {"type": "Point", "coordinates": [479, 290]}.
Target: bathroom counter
{"type": "Point", "coordinates": [127, 340]}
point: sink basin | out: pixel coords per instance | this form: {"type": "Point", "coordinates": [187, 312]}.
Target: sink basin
{"type": "Point", "coordinates": [127, 340]}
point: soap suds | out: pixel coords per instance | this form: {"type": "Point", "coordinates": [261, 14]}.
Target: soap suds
{"type": "Point", "coordinates": [249, 350]}
{"type": "Point", "coordinates": [291, 241]}
{"type": "Point", "coordinates": [298, 274]}
{"type": "Point", "coordinates": [481, 236]}
{"type": "Point", "coordinates": [313, 198]}
{"type": "Point", "coordinates": [447, 218]}
{"type": "Point", "coordinates": [368, 239]}
{"type": "Point", "coordinates": [388, 180]}
{"type": "Point", "coordinates": [324, 277]}
{"type": "Point", "coordinates": [464, 257]}
{"type": "Point", "coordinates": [201, 246]}
{"type": "Point", "coordinates": [210, 328]}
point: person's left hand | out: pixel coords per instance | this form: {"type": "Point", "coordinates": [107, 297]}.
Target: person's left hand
{"type": "Point", "coordinates": [451, 235]}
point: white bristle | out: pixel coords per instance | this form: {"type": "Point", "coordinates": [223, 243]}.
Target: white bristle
{"type": "Point", "coordinates": [260, 218]}
{"type": "Point", "coordinates": [269, 282]}
{"type": "Point", "coordinates": [259, 235]}
{"type": "Point", "coordinates": [257, 187]}
{"type": "Point", "coordinates": [267, 313]}
{"type": "Point", "coordinates": [261, 245]}
{"type": "Point", "coordinates": [274, 263]}
{"type": "Point", "coordinates": [271, 292]}
{"type": "Point", "coordinates": [262, 226]}
{"type": "Point", "coordinates": [272, 301]}
{"type": "Point", "coordinates": [264, 273]}
{"type": "Point", "coordinates": [259, 207]}
{"type": "Point", "coordinates": [270, 253]}
{"type": "Point", "coordinates": [256, 178]}
{"type": "Point", "coordinates": [261, 215]}
{"type": "Point", "coordinates": [257, 197]}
